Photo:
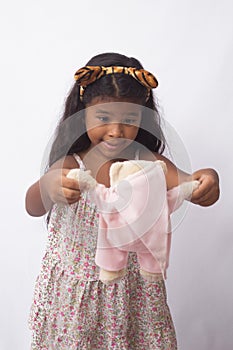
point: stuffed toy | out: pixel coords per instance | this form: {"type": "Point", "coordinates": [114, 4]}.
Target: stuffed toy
{"type": "Point", "coordinates": [134, 216]}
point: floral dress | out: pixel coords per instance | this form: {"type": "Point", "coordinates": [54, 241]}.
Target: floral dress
{"type": "Point", "coordinates": [73, 310]}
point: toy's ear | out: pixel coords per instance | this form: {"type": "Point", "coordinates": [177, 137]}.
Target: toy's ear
{"type": "Point", "coordinates": [163, 165]}
{"type": "Point", "coordinates": [114, 172]}
{"type": "Point", "coordinates": [120, 170]}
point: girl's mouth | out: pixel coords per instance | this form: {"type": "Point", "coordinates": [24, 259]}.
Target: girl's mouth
{"type": "Point", "coordinates": [113, 145]}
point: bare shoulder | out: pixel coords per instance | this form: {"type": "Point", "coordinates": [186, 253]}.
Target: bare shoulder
{"type": "Point", "coordinates": [153, 156]}
{"type": "Point", "coordinates": [67, 162]}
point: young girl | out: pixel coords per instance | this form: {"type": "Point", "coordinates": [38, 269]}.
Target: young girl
{"type": "Point", "coordinates": [109, 116]}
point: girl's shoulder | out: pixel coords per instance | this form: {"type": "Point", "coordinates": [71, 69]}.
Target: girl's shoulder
{"type": "Point", "coordinates": [146, 154]}
{"type": "Point", "coordinates": [174, 176]}
{"type": "Point", "coordinates": [66, 162]}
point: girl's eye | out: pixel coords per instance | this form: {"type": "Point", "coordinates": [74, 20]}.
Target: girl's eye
{"type": "Point", "coordinates": [103, 119]}
{"type": "Point", "coordinates": [130, 121]}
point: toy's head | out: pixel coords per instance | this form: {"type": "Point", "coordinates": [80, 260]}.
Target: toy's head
{"type": "Point", "coordinates": [120, 170]}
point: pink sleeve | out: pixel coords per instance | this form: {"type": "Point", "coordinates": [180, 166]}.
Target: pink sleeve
{"type": "Point", "coordinates": [178, 194]}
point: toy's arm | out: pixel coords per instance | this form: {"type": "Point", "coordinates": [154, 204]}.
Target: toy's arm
{"type": "Point", "coordinates": [178, 194]}
{"type": "Point", "coordinates": [84, 178]}
{"type": "Point", "coordinates": [102, 196]}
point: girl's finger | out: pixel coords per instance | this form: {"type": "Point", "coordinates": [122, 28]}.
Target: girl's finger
{"type": "Point", "coordinates": [71, 194]}
{"type": "Point", "coordinates": [207, 199]}
{"type": "Point", "coordinates": [201, 200]}
{"type": "Point", "coordinates": [70, 183]}
{"type": "Point", "coordinates": [200, 192]}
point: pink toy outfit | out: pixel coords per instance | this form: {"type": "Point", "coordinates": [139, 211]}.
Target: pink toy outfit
{"type": "Point", "coordinates": [135, 216]}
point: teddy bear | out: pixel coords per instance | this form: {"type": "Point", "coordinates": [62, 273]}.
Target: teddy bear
{"type": "Point", "coordinates": [134, 216]}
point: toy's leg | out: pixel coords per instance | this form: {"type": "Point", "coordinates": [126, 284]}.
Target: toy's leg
{"type": "Point", "coordinates": [109, 277]}
{"type": "Point", "coordinates": [112, 263]}
{"type": "Point", "coordinates": [149, 267]}
{"type": "Point", "coordinates": [151, 276]}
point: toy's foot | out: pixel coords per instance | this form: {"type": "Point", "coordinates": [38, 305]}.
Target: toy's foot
{"type": "Point", "coordinates": [109, 277]}
{"type": "Point", "coordinates": [151, 277]}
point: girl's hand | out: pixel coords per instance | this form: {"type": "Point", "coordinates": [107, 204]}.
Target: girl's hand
{"type": "Point", "coordinates": [53, 187]}
{"type": "Point", "coordinates": [208, 192]}
{"type": "Point", "coordinates": [56, 187]}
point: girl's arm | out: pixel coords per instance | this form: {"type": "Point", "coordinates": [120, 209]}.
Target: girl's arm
{"type": "Point", "coordinates": [207, 193]}
{"type": "Point", "coordinates": [53, 187]}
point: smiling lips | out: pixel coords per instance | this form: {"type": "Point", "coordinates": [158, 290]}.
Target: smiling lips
{"type": "Point", "coordinates": [113, 145]}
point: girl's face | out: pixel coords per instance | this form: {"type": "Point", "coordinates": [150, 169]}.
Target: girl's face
{"type": "Point", "coordinates": [112, 125]}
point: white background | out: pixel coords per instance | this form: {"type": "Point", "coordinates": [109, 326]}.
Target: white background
{"type": "Point", "coordinates": [188, 45]}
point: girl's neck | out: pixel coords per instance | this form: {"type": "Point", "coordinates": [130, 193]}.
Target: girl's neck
{"type": "Point", "coordinates": [100, 165]}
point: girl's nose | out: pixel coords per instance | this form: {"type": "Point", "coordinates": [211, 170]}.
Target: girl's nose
{"type": "Point", "coordinates": [115, 130]}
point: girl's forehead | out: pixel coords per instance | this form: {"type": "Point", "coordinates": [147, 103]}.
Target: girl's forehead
{"type": "Point", "coordinates": [113, 106]}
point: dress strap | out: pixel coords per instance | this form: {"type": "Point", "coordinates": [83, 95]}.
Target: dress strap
{"type": "Point", "coordinates": [79, 161]}
{"type": "Point", "coordinates": [137, 154]}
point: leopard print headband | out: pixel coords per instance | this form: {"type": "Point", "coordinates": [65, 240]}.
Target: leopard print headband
{"type": "Point", "coordinates": [89, 74]}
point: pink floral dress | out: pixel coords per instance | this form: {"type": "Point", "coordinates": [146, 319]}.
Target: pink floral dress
{"type": "Point", "coordinates": [73, 310]}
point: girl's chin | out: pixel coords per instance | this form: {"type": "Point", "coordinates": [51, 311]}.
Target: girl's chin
{"type": "Point", "coordinates": [114, 149]}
